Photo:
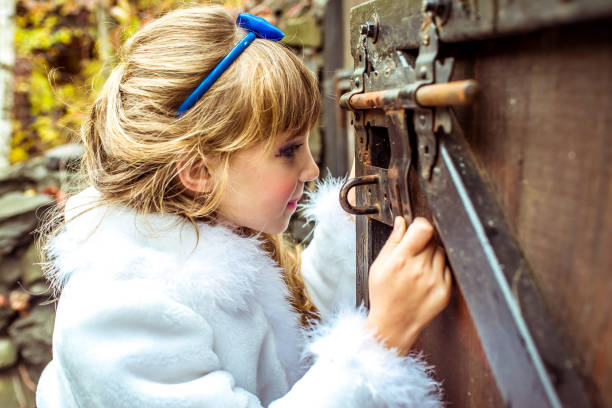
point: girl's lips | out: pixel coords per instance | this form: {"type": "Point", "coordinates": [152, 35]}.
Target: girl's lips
{"type": "Point", "coordinates": [293, 203]}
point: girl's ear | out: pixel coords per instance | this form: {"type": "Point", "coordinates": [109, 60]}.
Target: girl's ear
{"type": "Point", "coordinates": [195, 175]}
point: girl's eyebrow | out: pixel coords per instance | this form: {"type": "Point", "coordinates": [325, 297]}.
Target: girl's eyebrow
{"type": "Point", "coordinates": [294, 138]}
{"type": "Point", "coordinates": [288, 144]}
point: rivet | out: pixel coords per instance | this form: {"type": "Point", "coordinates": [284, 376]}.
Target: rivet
{"type": "Point", "coordinates": [426, 40]}
{"type": "Point", "coordinates": [357, 82]}
{"type": "Point", "coordinates": [423, 72]}
{"type": "Point", "coordinates": [422, 119]}
{"type": "Point", "coordinates": [371, 29]}
{"type": "Point", "coordinates": [430, 6]}
{"type": "Point", "coordinates": [368, 29]}
{"type": "Point", "coordinates": [435, 7]}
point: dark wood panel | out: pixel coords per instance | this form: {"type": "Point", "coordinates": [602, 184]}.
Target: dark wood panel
{"type": "Point", "coordinates": [541, 134]}
{"type": "Point", "coordinates": [542, 130]}
{"type": "Point", "coordinates": [451, 344]}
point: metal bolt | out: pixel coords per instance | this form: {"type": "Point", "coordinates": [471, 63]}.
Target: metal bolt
{"type": "Point", "coordinates": [425, 40]}
{"type": "Point", "coordinates": [430, 6]}
{"type": "Point", "coordinates": [423, 72]}
{"type": "Point", "coordinates": [369, 29]}
{"type": "Point", "coordinates": [422, 119]}
{"type": "Point", "coordinates": [435, 7]}
{"type": "Point", "coordinates": [372, 28]}
{"type": "Point", "coordinates": [357, 82]}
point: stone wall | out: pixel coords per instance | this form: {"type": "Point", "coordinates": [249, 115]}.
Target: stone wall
{"type": "Point", "coordinates": [28, 192]}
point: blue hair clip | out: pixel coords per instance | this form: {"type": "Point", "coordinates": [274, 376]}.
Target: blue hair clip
{"type": "Point", "coordinates": [258, 28]}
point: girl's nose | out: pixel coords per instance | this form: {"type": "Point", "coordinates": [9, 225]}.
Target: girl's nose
{"type": "Point", "coordinates": [310, 171]}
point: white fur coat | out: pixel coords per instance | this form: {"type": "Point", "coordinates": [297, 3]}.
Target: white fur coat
{"type": "Point", "coordinates": [151, 315]}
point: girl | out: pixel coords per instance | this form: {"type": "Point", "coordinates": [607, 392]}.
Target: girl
{"type": "Point", "coordinates": [176, 289]}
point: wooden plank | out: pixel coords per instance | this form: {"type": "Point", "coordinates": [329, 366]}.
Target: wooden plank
{"type": "Point", "coordinates": [451, 344]}
{"type": "Point", "coordinates": [542, 131]}
{"type": "Point", "coordinates": [400, 21]}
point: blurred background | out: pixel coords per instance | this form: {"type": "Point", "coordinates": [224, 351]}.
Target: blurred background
{"type": "Point", "coordinates": [54, 59]}
{"type": "Point", "coordinates": [540, 132]}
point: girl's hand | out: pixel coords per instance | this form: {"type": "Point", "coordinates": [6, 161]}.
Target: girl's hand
{"type": "Point", "coordinates": [409, 285]}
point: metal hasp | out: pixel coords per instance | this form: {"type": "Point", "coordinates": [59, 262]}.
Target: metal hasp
{"type": "Point", "coordinates": [394, 134]}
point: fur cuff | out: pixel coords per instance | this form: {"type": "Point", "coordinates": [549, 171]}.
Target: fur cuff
{"type": "Point", "coordinates": [391, 380]}
{"type": "Point", "coordinates": [328, 263]}
{"type": "Point", "coordinates": [322, 206]}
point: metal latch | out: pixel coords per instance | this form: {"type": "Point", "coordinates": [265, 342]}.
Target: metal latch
{"type": "Point", "coordinates": [422, 102]}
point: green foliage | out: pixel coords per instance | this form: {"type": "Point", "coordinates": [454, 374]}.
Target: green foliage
{"type": "Point", "coordinates": [55, 62]}
{"type": "Point", "coordinates": [62, 61]}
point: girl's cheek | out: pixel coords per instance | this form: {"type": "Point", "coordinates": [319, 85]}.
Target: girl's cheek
{"type": "Point", "coordinates": [283, 191]}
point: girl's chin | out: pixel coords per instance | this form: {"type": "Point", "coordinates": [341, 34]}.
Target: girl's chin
{"type": "Point", "coordinates": [273, 231]}
{"type": "Point", "coordinates": [276, 225]}
{"type": "Point", "coordinates": [279, 227]}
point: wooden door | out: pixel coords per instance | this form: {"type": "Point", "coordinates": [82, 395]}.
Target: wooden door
{"type": "Point", "coordinates": [520, 190]}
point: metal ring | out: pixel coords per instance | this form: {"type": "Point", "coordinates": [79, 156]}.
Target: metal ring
{"type": "Point", "coordinates": [350, 183]}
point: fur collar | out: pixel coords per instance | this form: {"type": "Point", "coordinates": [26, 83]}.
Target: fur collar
{"type": "Point", "coordinates": [125, 245]}
{"type": "Point", "coordinates": [219, 267]}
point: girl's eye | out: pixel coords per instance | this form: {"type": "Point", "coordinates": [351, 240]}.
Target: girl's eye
{"type": "Point", "coordinates": [289, 151]}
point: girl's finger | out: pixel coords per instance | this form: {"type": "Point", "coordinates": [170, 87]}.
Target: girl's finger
{"type": "Point", "coordinates": [448, 277]}
{"type": "Point", "coordinates": [429, 252]}
{"type": "Point", "coordinates": [399, 228]}
{"type": "Point", "coordinates": [417, 237]}
{"type": "Point", "coordinates": [438, 260]}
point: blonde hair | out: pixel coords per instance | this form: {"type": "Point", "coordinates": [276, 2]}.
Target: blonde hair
{"type": "Point", "coordinates": [133, 140]}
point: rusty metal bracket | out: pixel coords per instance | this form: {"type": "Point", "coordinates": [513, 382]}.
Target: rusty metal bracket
{"type": "Point", "coordinates": [399, 164]}
{"type": "Point", "coordinates": [427, 94]}
{"type": "Point", "coordinates": [359, 72]}
{"type": "Point", "coordinates": [388, 192]}
{"type": "Point", "coordinates": [427, 121]}
{"type": "Point", "coordinates": [351, 183]}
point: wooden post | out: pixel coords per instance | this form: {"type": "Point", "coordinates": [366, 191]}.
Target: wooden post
{"type": "Point", "coordinates": [335, 138]}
